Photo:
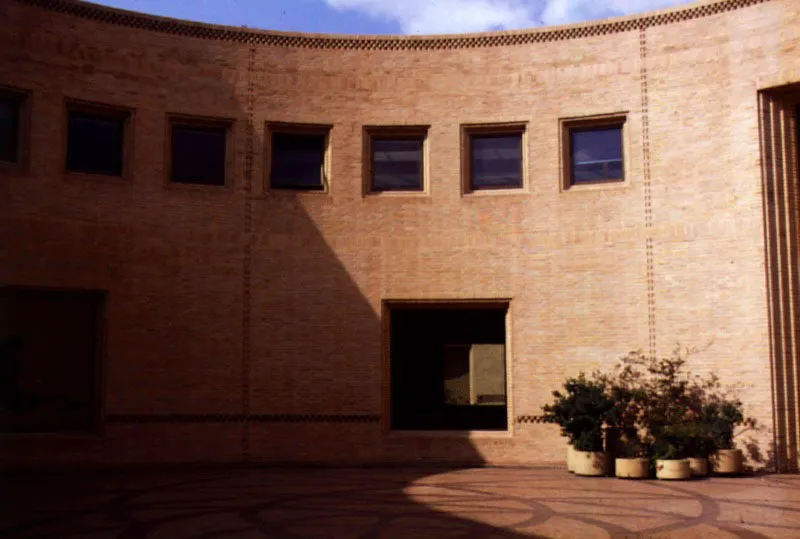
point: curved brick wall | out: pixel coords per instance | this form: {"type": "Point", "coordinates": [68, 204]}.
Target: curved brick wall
{"type": "Point", "coordinates": [245, 323]}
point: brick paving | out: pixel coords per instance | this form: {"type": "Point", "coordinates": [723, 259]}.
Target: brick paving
{"type": "Point", "coordinates": [377, 503]}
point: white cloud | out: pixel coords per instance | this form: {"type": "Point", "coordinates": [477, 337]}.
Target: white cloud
{"type": "Point", "coordinates": [567, 11]}
{"type": "Point", "coordinates": [444, 16]}
{"type": "Point", "coordinates": [453, 16]}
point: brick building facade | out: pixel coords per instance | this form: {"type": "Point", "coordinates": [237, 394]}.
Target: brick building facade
{"type": "Point", "coordinates": [247, 322]}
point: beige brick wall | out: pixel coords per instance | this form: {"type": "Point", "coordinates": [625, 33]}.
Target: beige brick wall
{"type": "Point", "coordinates": [251, 301]}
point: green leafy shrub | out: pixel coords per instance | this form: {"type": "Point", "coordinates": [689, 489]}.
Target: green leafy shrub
{"type": "Point", "coordinates": [624, 389]}
{"type": "Point", "coordinates": [581, 412]}
{"type": "Point", "coordinates": [652, 405]}
{"type": "Point", "coordinates": [681, 415]}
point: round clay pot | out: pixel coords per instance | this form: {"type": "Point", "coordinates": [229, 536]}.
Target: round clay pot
{"type": "Point", "coordinates": [673, 469]}
{"type": "Point", "coordinates": [698, 466]}
{"type": "Point", "coordinates": [590, 463]}
{"type": "Point", "coordinates": [570, 459]}
{"type": "Point", "coordinates": [727, 461]}
{"type": "Point", "coordinates": [635, 468]}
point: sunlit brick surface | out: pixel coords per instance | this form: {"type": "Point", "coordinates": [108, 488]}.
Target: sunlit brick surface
{"type": "Point", "coordinates": [244, 323]}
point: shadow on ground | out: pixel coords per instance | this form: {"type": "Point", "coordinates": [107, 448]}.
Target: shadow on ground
{"type": "Point", "coordinates": [372, 503]}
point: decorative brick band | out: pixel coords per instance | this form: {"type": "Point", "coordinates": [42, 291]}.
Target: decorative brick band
{"type": "Point", "coordinates": [244, 35]}
{"type": "Point", "coordinates": [242, 418]}
{"type": "Point", "coordinates": [652, 330]}
{"type": "Point", "coordinates": [530, 419]}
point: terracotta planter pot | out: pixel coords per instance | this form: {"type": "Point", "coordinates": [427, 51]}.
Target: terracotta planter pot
{"type": "Point", "coordinates": [727, 461]}
{"type": "Point", "coordinates": [636, 468]}
{"type": "Point", "coordinates": [590, 463]}
{"type": "Point", "coordinates": [673, 469]}
{"type": "Point", "coordinates": [698, 466]}
{"type": "Point", "coordinates": [570, 459]}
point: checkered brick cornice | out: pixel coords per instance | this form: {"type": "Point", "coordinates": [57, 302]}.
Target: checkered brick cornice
{"type": "Point", "coordinates": [245, 35]}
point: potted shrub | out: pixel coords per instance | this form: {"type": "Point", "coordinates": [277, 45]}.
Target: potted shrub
{"type": "Point", "coordinates": [725, 416]}
{"type": "Point", "coordinates": [670, 452]}
{"type": "Point", "coordinates": [559, 413]}
{"type": "Point", "coordinates": [717, 418]}
{"type": "Point", "coordinates": [631, 455]}
{"type": "Point", "coordinates": [580, 411]}
{"type": "Point", "coordinates": [667, 414]}
{"type": "Point", "coordinates": [625, 418]}
{"type": "Point", "coordinates": [701, 443]}
{"type": "Point", "coordinates": [699, 447]}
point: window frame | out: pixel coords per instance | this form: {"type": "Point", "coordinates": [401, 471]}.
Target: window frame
{"type": "Point", "coordinates": [175, 119]}
{"type": "Point", "coordinates": [468, 131]}
{"type": "Point", "coordinates": [117, 112]}
{"type": "Point", "coordinates": [23, 101]}
{"type": "Point", "coordinates": [590, 123]}
{"type": "Point", "coordinates": [273, 128]}
{"type": "Point", "coordinates": [371, 133]}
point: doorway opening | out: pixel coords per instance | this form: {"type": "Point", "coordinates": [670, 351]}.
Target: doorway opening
{"type": "Point", "coordinates": [50, 348]}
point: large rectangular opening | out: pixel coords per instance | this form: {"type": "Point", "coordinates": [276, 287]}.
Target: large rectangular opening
{"type": "Point", "coordinates": [448, 366]}
{"type": "Point", "coordinates": [49, 360]}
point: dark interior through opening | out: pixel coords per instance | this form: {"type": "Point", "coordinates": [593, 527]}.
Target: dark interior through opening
{"type": "Point", "coordinates": [94, 143]}
{"type": "Point", "coordinates": [198, 155]}
{"type": "Point", "coordinates": [298, 160]}
{"type": "Point", "coordinates": [448, 367]}
{"type": "Point", "coordinates": [49, 360]}
{"type": "Point", "coordinates": [9, 129]}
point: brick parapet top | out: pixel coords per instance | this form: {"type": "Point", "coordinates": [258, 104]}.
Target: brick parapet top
{"type": "Point", "coordinates": [87, 10]}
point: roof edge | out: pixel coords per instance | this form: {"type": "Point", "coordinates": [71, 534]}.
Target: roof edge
{"type": "Point", "coordinates": [200, 30]}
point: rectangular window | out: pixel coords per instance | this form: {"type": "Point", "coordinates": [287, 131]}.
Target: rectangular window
{"type": "Point", "coordinates": [297, 157]}
{"type": "Point", "coordinates": [10, 113]}
{"type": "Point", "coordinates": [594, 151]}
{"type": "Point", "coordinates": [198, 153]}
{"type": "Point", "coordinates": [96, 139]}
{"type": "Point", "coordinates": [493, 157]}
{"type": "Point", "coordinates": [395, 159]}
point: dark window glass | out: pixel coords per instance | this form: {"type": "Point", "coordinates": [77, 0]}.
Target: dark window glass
{"type": "Point", "coordinates": [496, 161]}
{"type": "Point", "coordinates": [198, 155]}
{"type": "Point", "coordinates": [9, 129]}
{"type": "Point", "coordinates": [297, 160]}
{"type": "Point", "coordinates": [397, 165]}
{"type": "Point", "coordinates": [94, 144]}
{"type": "Point", "coordinates": [597, 155]}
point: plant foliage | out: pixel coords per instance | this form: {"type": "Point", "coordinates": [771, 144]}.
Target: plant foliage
{"type": "Point", "coordinates": [580, 411]}
{"type": "Point", "coordinates": [653, 404]}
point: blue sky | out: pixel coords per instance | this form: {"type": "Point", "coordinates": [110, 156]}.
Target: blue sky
{"type": "Point", "coordinates": [391, 16]}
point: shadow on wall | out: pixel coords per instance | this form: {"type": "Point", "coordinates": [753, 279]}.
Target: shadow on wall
{"type": "Point", "coordinates": [316, 372]}
{"type": "Point", "coordinates": [312, 375]}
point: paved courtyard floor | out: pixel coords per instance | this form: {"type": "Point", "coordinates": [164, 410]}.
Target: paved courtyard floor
{"type": "Point", "coordinates": [391, 503]}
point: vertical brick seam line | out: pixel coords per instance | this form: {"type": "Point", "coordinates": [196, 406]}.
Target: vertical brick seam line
{"type": "Point", "coordinates": [648, 195]}
{"type": "Point", "coordinates": [247, 255]}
